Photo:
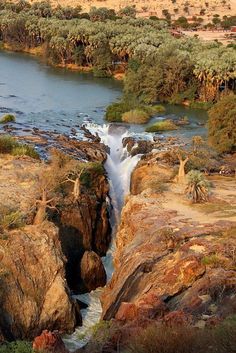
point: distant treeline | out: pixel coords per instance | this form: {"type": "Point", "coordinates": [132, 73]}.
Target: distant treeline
{"type": "Point", "coordinates": [158, 66]}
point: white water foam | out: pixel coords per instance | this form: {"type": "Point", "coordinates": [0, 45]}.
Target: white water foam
{"type": "Point", "coordinates": [119, 166]}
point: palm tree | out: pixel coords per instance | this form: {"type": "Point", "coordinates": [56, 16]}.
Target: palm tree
{"type": "Point", "coordinates": [198, 187]}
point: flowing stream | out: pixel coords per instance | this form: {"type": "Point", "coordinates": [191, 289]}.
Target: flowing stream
{"type": "Point", "coordinates": [119, 166]}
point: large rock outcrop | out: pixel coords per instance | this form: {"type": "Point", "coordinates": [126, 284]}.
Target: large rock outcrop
{"type": "Point", "coordinates": [34, 294]}
{"type": "Point", "coordinates": [172, 256]}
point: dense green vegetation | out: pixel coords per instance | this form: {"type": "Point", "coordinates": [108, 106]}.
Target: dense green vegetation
{"type": "Point", "coordinates": [16, 347]}
{"type": "Point", "coordinates": [165, 125]}
{"type": "Point", "coordinates": [222, 124]}
{"type": "Point", "coordinates": [159, 66]}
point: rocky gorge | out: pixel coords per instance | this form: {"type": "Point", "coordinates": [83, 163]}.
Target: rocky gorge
{"type": "Point", "coordinates": [174, 261]}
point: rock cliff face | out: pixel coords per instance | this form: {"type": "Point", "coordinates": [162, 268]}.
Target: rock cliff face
{"type": "Point", "coordinates": [171, 256]}
{"type": "Point", "coordinates": [34, 294]}
{"type": "Point", "coordinates": [40, 263]}
{"type": "Point", "coordinates": [84, 225]}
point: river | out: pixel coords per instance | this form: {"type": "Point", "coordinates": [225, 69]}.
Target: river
{"type": "Point", "coordinates": [56, 99]}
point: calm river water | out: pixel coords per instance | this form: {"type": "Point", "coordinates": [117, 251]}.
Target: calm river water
{"type": "Point", "coordinates": [57, 100]}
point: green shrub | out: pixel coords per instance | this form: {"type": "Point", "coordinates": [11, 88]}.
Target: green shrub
{"type": "Point", "coordinates": [165, 125]}
{"type": "Point", "coordinates": [198, 187]}
{"type": "Point", "coordinates": [152, 110]}
{"type": "Point", "coordinates": [8, 118]}
{"type": "Point", "coordinates": [114, 112]}
{"type": "Point", "coordinates": [91, 168]}
{"type": "Point", "coordinates": [25, 150]}
{"type": "Point", "coordinates": [188, 95]}
{"type": "Point", "coordinates": [9, 145]}
{"type": "Point", "coordinates": [16, 347]}
{"type": "Point", "coordinates": [12, 220]}
{"type": "Point", "coordinates": [135, 116]}
{"type": "Point", "coordinates": [212, 260]}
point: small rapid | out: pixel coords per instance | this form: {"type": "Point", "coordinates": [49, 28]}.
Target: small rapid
{"type": "Point", "coordinates": [119, 166]}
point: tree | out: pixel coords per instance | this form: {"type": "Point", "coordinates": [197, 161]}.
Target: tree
{"type": "Point", "coordinates": [182, 22]}
{"type": "Point", "coordinates": [198, 187]}
{"type": "Point", "coordinates": [76, 182]}
{"type": "Point", "coordinates": [49, 179]}
{"type": "Point", "coordinates": [128, 11]}
{"type": "Point", "coordinates": [222, 124]}
{"type": "Point", "coordinates": [47, 183]}
{"type": "Point", "coordinates": [181, 178]}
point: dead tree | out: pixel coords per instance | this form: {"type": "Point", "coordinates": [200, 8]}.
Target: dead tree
{"type": "Point", "coordinates": [77, 185]}
{"type": "Point", "coordinates": [48, 181]}
{"type": "Point", "coordinates": [181, 172]}
{"type": "Point", "coordinates": [42, 206]}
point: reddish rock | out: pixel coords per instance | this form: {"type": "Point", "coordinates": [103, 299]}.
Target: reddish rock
{"type": "Point", "coordinates": [127, 311]}
{"type": "Point", "coordinates": [151, 306]}
{"type": "Point", "coordinates": [177, 318]}
{"type": "Point", "coordinates": [49, 342]}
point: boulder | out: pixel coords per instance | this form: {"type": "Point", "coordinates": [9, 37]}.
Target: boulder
{"type": "Point", "coordinates": [49, 342]}
{"type": "Point", "coordinates": [92, 271]}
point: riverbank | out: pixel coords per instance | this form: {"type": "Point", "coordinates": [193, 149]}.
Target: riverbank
{"type": "Point", "coordinates": [40, 53]}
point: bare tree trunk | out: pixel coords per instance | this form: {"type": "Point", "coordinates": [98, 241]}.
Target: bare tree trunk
{"type": "Point", "coordinates": [40, 214]}
{"type": "Point", "coordinates": [181, 173]}
{"type": "Point", "coordinates": [76, 189]}
{"type": "Point", "coordinates": [42, 209]}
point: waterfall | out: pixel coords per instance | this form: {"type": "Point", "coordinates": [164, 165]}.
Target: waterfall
{"type": "Point", "coordinates": [119, 166]}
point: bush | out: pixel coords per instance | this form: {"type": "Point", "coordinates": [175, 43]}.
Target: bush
{"type": "Point", "coordinates": [16, 347]}
{"type": "Point", "coordinates": [91, 171]}
{"type": "Point", "coordinates": [222, 124]}
{"type": "Point", "coordinates": [165, 125]}
{"type": "Point", "coordinates": [11, 219]}
{"type": "Point", "coordinates": [9, 145]}
{"type": "Point", "coordinates": [198, 187]}
{"type": "Point", "coordinates": [135, 116]}
{"type": "Point", "coordinates": [213, 260]}
{"type": "Point", "coordinates": [25, 150]}
{"type": "Point", "coordinates": [8, 118]}
{"type": "Point", "coordinates": [115, 111]}
{"type": "Point", "coordinates": [153, 110]}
